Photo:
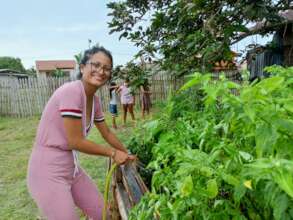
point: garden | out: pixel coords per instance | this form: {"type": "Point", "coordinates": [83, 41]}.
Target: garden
{"type": "Point", "coordinates": [220, 146]}
{"type": "Point", "coordinates": [214, 155]}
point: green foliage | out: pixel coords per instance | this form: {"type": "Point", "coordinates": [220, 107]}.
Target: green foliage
{"type": "Point", "coordinates": [78, 58]}
{"type": "Point", "coordinates": [11, 63]}
{"type": "Point", "coordinates": [58, 73]}
{"type": "Point", "coordinates": [31, 71]}
{"type": "Point", "coordinates": [214, 155]}
{"type": "Point", "coordinates": [137, 75]}
{"type": "Point", "coordinates": [117, 73]}
{"type": "Point", "coordinates": [188, 35]}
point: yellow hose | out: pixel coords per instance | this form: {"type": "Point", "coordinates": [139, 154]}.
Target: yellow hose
{"type": "Point", "coordinates": [106, 192]}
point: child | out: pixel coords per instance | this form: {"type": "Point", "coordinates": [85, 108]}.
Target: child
{"type": "Point", "coordinates": [127, 100]}
{"type": "Point", "coordinates": [145, 99]}
{"type": "Point", "coordinates": [113, 103]}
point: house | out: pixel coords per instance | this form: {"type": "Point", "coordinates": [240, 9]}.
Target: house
{"type": "Point", "coordinates": [278, 52]}
{"type": "Point", "coordinates": [48, 67]}
{"type": "Point", "coordinates": [9, 74]}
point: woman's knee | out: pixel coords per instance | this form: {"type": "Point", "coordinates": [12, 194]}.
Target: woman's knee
{"type": "Point", "coordinates": [87, 196]}
{"type": "Point", "coordinates": [58, 209]}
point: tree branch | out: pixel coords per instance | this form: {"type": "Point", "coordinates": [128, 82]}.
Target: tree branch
{"type": "Point", "coordinates": [263, 28]}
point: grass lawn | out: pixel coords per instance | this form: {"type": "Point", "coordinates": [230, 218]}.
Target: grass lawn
{"type": "Point", "coordinates": [16, 140]}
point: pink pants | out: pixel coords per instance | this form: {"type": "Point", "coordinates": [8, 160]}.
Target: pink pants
{"type": "Point", "coordinates": [56, 192]}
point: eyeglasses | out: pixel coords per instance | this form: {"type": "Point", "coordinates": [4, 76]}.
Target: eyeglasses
{"type": "Point", "coordinates": [98, 66]}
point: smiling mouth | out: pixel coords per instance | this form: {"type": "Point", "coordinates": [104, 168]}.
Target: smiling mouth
{"type": "Point", "coordinates": [98, 77]}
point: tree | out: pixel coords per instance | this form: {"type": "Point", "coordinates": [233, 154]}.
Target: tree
{"type": "Point", "coordinates": [188, 35]}
{"type": "Point", "coordinates": [136, 74]}
{"type": "Point", "coordinates": [78, 58]}
{"type": "Point", "coordinates": [118, 73]}
{"type": "Point", "coordinates": [11, 63]}
{"type": "Point", "coordinates": [31, 71]}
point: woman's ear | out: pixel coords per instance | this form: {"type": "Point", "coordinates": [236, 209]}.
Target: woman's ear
{"type": "Point", "coordinates": [81, 67]}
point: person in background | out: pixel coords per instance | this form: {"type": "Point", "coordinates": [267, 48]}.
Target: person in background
{"type": "Point", "coordinates": [145, 99]}
{"type": "Point", "coordinates": [127, 100]}
{"type": "Point", "coordinates": [55, 179]}
{"type": "Point", "coordinates": [113, 103]}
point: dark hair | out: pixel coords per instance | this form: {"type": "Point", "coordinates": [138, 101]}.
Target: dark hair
{"type": "Point", "coordinates": [111, 89]}
{"type": "Point", "coordinates": [90, 52]}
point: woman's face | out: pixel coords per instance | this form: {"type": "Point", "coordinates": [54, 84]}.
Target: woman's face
{"type": "Point", "coordinates": [97, 70]}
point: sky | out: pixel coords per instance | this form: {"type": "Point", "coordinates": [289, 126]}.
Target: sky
{"type": "Point", "coordinates": [57, 29]}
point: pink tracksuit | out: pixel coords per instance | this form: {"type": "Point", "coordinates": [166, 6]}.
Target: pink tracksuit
{"type": "Point", "coordinates": [55, 180]}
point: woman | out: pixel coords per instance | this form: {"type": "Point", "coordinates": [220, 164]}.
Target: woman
{"type": "Point", "coordinates": [113, 103]}
{"type": "Point", "coordinates": [145, 99]}
{"type": "Point", "coordinates": [127, 100]}
{"type": "Point", "coordinates": [56, 181]}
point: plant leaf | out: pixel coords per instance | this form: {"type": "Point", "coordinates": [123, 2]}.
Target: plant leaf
{"type": "Point", "coordinates": [212, 188]}
{"type": "Point", "coordinates": [187, 186]}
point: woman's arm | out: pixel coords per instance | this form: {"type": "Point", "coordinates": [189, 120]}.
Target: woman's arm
{"type": "Point", "coordinates": [109, 136]}
{"type": "Point", "coordinates": [119, 89]}
{"type": "Point", "coordinates": [76, 141]}
{"type": "Point", "coordinates": [112, 87]}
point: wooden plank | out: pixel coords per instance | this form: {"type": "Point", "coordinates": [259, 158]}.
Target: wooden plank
{"type": "Point", "coordinates": [14, 101]}
{"type": "Point", "coordinates": [123, 201]}
{"type": "Point", "coordinates": [7, 97]}
{"type": "Point", "coordinates": [2, 95]}
{"type": "Point", "coordinates": [31, 97]}
{"type": "Point", "coordinates": [127, 188]}
{"type": "Point", "coordinates": [2, 104]}
{"type": "Point", "coordinates": [139, 180]}
{"type": "Point", "coordinates": [21, 102]}
{"type": "Point", "coordinates": [37, 94]}
{"type": "Point", "coordinates": [24, 95]}
{"type": "Point", "coordinates": [130, 183]}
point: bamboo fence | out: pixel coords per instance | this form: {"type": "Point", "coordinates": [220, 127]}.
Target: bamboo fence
{"type": "Point", "coordinates": [28, 97]}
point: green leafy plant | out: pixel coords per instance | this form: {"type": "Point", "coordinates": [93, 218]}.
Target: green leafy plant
{"type": "Point", "coordinates": [58, 73]}
{"type": "Point", "coordinates": [214, 155]}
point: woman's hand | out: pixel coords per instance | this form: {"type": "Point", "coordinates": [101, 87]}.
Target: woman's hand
{"type": "Point", "coordinates": [120, 157]}
{"type": "Point", "coordinates": [132, 157]}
